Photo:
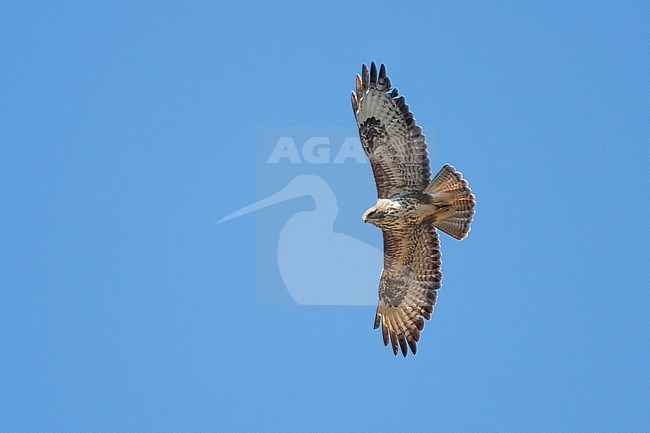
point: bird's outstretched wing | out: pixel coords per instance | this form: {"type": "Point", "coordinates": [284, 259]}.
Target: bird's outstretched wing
{"type": "Point", "coordinates": [393, 142]}
{"type": "Point", "coordinates": [409, 284]}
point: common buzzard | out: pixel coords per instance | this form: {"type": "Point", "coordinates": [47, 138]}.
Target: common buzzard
{"type": "Point", "coordinates": [409, 208]}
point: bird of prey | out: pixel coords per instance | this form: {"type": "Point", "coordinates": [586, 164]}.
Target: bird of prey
{"type": "Point", "coordinates": [410, 207]}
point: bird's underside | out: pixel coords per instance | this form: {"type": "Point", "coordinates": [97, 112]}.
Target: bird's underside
{"type": "Point", "coordinates": [409, 208]}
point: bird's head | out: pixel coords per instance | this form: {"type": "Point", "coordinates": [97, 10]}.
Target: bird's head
{"type": "Point", "coordinates": [381, 214]}
{"type": "Point", "coordinates": [373, 216]}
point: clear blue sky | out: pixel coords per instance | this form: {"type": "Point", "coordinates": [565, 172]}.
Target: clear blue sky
{"type": "Point", "coordinates": [129, 128]}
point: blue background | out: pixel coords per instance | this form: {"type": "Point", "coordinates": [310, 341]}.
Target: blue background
{"type": "Point", "coordinates": [129, 128]}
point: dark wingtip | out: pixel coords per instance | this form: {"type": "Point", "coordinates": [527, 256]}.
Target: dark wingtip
{"type": "Point", "coordinates": [383, 82]}
{"type": "Point", "coordinates": [365, 77]}
{"type": "Point", "coordinates": [402, 345]}
{"type": "Point", "coordinates": [373, 73]}
{"type": "Point", "coordinates": [394, 343]}
{"type": "Point", "coordinates": [415, 334]}
{"type": "Point", "coordinates": [413, 345]}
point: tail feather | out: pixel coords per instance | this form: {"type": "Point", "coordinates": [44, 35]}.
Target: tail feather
{"type": "Point", "coordinates": [449, 189]}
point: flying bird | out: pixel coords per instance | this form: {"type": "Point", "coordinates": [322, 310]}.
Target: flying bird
{"type": "Point", "coordinates": [410, 207]}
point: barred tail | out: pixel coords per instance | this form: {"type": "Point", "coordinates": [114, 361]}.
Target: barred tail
{"type": "Point", "coordinates": [449, 188]}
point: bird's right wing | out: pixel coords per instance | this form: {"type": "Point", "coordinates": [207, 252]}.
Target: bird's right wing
{"type": "Point", "coordinates": [393, 142]}
{"type": "Point", "coordinates": [409, 284]}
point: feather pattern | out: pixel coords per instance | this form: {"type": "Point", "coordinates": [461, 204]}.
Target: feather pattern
{"type": "Point", "coordinates": [394, 144]}
{"type": "Point", "coordinates": [409, 283]}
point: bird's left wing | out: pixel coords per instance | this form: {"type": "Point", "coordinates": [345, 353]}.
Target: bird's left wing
{"type": "Point", "coordinates": [393, 142]}
{"type": "Point", "coordinates": [409, 284]}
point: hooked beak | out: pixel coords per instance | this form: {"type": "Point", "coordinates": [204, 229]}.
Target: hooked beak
{"type": "Point", "coordinates": [364, 218]}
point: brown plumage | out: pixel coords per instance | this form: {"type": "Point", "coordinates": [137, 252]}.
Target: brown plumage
{"type": "Point", "coordinates": [409, 208]}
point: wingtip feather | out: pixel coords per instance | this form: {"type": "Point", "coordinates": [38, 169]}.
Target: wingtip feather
{"type": "Point", "coordinates": [384, 332]}
{"type": "Point", "coordinates": [413, 345]}
{"type": "Point", "coordinates": [402, 345]}
{"type": "Point", "coordinates": [365, 77]}
{"type": "Point", "coordinates": [394, 342]}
